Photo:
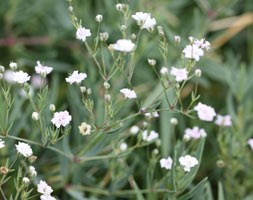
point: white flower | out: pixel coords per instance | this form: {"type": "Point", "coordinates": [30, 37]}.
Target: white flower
{"type": "Point", "coordinates": [82, 33]}
{"type": "Point", "coordinates": [202, 43]}
{"type": "Point", "coordinates": [8, 76]}
{"type": "Point", "coordinates": [2, 145]}
{"type": "Point", "coordinates": [35, 116]}
{"type": "Point", "coordinates": [84, 128]}
{"type": "Point", "coordinates": [124, 45]}
{"type": "Point", "coordinates": [46, 197]}
{"type": "Point", "coordinates": [32, 171]}
{"type": "Point", "coordinates": [42, 69]}
{"type": "Point", "coordinates": [144, 20]}
{"type": "Point", "coordinates": [154, 114]}
{"type": "Point", "coordinates": [24, 149]}
{"type": "Point", "coordinates": [134, 130]}
{"type": "Point", "coordinates": [205, 113]}
{"type": "Point", "coordinates": [37, 81]}
{"type": "Point", "coordinates": [223, 120]}
{"type": "Point", "coordinates": [128, 94]}
{"type": "Point", "coordinates": [61, 119]}
{"type": "Point", "coordinates": [44, 188]}
{"type": "Point", "coordinates": [194, 133]}
{"type": "Point", "coordinates": [20, 77]}
{"type": "Point", "coordinates": [250, 143]}
{"type": "Point", "coordinates": [193, 51]}
{"type": "Point", "coordinates": [164, 71]}
{"type": "Point", "coordinates": [166, 163]}
{"type": "Point", "coordinates": [187, 162]}
{"type": "Point", "coordinates": [76, 77]}
{"type": "Point", "coordinates": [149, 136]}
{"type": "Point", "coordinates": [180, 74]}
{"type": "Point", "coordinates": [123, 146]}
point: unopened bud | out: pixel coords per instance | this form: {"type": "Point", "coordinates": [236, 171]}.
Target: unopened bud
{"type": "Point", "coordinates": [13, 66]}
{"type": "Point", "coordinates": [174, 121]}
{"type": "Point", "coordinates": [35, 116]}
{"type": "Point", "coordinates": [103, 36]}
{"type": "Point", "coordinates": [2, 69]}
{"type": "Point", "coordinates": [152, 62]}
{"type": "Point", "coordinates": [3, 170]}
{"type": "Point", "coordinates": [83, 89]}
{"type": "Point", "coordinates": [26, 181]}
{"type": "Point", "coordinates": [52, 107]}
{"type": "Point", "coordinates": [99, 18]}
{"type": "Point", "coordinates": [160, 30]}
{"type": "Point", "coordinates": [177, 39]}
{"type": "Point", "coordinates": [120, 6]}
{"type": "Point", "coordinates": [89, 91]}
{"type": "Point", "coordinates": [164, 71]}
{"type": "Point", "coordinates": [70, 8]}
{"type": "Point", "coordinates": [106, 85]}
{"type": "Point", "coordinates": [123, 28]}
{"type": "Point", "coordinates": [198, 73]}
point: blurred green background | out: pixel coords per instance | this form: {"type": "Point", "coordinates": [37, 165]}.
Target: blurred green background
{"type": "Point", "coordinates": [32, 30]}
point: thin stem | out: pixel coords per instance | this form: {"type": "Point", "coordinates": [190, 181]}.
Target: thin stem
{"type": "Point", "coordinates": [2, 193]}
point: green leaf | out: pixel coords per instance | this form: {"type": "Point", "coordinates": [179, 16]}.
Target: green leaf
{"type": "Point", "coordinates": [220, 192]}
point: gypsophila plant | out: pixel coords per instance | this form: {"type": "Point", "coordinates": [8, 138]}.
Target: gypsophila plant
{"type": "Point", "coordinates": [98, 125]}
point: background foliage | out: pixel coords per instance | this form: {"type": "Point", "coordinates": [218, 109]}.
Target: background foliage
{"type": "Point", "coordinates": [42, 30]}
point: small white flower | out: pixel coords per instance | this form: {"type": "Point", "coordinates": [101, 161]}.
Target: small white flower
{"type": "Point", "coordinates": [42, 69]}
{"type": "Point", "coordinates": [128, 94]}
{"type": "Point", "coordinates": [61, 119]}
{"type": "Point", "coordinates": [76, 77]}
{"type": "Point", "coordinates": [2, 145]}
{"type": "Point", "coordinates": [13, 65]}
{"type": "Point", "coordinates": [26, 180]}
{"type": "Point", "coordinates": [82, 33]}
{"type": "Point", "coordinates": [37, 81]}
{"type": "Point", "coordinates": [20, 77]}
{"type": "Point", "coordinates": [134, 130]}
{"type": "Point", "coordinates": [24, 149]}
{"type": "Point", "coordinates": [149, 136]}
{"type": "Point", "coordinates": [44, 188]}
{"type": "Point", "coordinates": [180, 74]}
{"type": "Point", "coordinates": [35, 116]}
{"type": "Point", "coordinates": [202, 43]}
{"type": "Point", "coordinates": [124, 45]}
{"type": "Point", "coordinates": [166, 163]}
{"type": "Point", "coordinates": [123, 146]}
{"type": "Point", "coordinates": [194, 133]}
{"type": "Point", "coordinates": [32, 171]}
{"type": "Point", "coordinates": [46, 197]}
{"type": "Point", "coordinates": [193, 51]}
{"type": "Point", "coordinates": [84, 128]}
{"type": "Point", "coordinates": [223, 120]}
{"type": "Point", "coordinates": [187, 162]}
{"type": "Point", "coordinates": [177, 38]}
{"type": "Point", "coordinates": [164, 71]}
{"type": "Point", "coordinates": [144, 20]}
{"type": "Point", "coordinates": [205, 113]}
{"type": "Point", "coordinates": [250, 143]}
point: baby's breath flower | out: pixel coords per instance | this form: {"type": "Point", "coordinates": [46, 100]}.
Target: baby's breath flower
{"type": "Point", "coordinates": [84, 128]}
{"type": "Point", "coordinates": [26, 181]}
{"type": "Point", "coordinates": [149, 136]}
{"type": "Point", "coordinates": [35, 116]}
{"type": "Point", "coordinates": [205, 113]}
{"type": "Point", "coordinates": [2, 69]}
{"type": "Point", "coordinates": [2, 145]}
{"type": "Point", "coordinates": [174, 121]}
{"type": "Point", "coordinates": [177, 38]}
{"type": "Point", "coordinates": [144, 20]}
{"type": "Point", "coordinates": [180, 74]}
{"type": "Point", "coordinates": [62, 118]}
{"type": "Point", "coordinates": [160, 30]}
{"type": "Point", "coordinates": [4, 170]}
{"type": "Point", "coordinates": [8, 76]}
{"type": "Point", "coordinates": [193, 51]}
{"type": "Point", "coordinates": [43, 70]}
{"type": "Point", "coordinates": [120, 6]}
{"type": "Point", "coordinates": [164, 71]}
{"type": "Point", "coordinates": [250, 143]}
{"type": "Point", "coordinates": [32, 171]}
{"type": "Point", "coordinates": [202, 43]}
{"type": "Point", "coordinates": [187, 162]}
{"type": "Point", "coordinates": [103, 36]}
{"type": "Point", "coordinates": [1, 76]}
{"type": "Point", "coordinates": [107, 85]}
{"type": "Point", "coordinates": [76, 77]}
{"type": "Point", "coordinates": [38, 81]}
{"type": "Point", "coordinates": [194, 133]}
{"type": "Point", "coordinates": [134, 130]}
{"type": "Point", "coordinates": [166, 163]}
{"type": "Point", "coordinates": [123, 146]}
{"type": "Point", "coordinates": [152, 62]}
{"type": "Point", "coordinates": [52, 107]}
{"type": "Point", "coordinates": [155, 151]}
{"type": "Point", "coordinates": [198, 72]}
{"type": "Point", "coordinates": [82, 33]}
{"type": "Point", "coordinates": [13, 66]}
{"type": "Point", "coordinates": [47, 197]}
{"type": "Point", "coordinates": [44, 188]}
{"type": "Point", "coordinates": [20, 77]}
{"type": "Point", "coordinates": [124, 45]}
{"type": "Point", "coordinates": [99, 18]}
{"type": "Point", "coordinates": [223, 120]}
{"type": "Point", "coordinates": [24, 149]}
{"type": "Point", "coordinates": [128, 94]}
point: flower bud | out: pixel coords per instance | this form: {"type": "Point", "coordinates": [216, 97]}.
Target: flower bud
{"type": "Point", "coordinates": [160, 30]}
{"type": "Point", "coordinates": [177, 39]}
{"type": "Point", "coordinates": [164, 71]}
{"type": "Point", "coordinates": [108, 97]}
{"type": "Point", "coordinates": [120, 6]}
{"type": "Point", "coordinates": [152, 62]}
{"type": "Point", "coordinates": [70, 8]}
{"type": "Point", "coordinates": [32, 171]}
{"type": "Point", "coordinates": [174, 121]}
{"type": "Point", "coordinates": [2, 69]}
{"type": "Point", "coordinates": [133, 36]}
{"type": "Point", "coordinates": [83, 89]}
{"type": "Point", "coordinates": [155, 151]}
{"type": "Point", "coordinates": [1, 76]}
{"type": "Point", "coordinates": [25, 181]}
{"type": "Point", "coordinates": [4, 170]}
{"type": "Point", "coordinates": [198, 72]}
{"type": "Point", "coordinates": [35, 116]}
{"type": "Point", "coordinates": [89, 91]}
{"type": "Point", "coordinates": [106, 85]}
{"type": "Point", "coordinates": [99, 18]}
{"type": "Point", "coordinates": [123, 146]}
{"type": "Point", "coordinates": [13, 66]}
{"type": "Point", "coordinates": [123, 28]}
{"type": "Point", "coordinates": [103, 36]}
{"type": "Point", "coordinates": [52, 107]}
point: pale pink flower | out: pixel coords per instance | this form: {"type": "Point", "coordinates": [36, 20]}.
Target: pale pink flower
{"type": "Point", "coordinates": [124, 45]}
{"type": "Point", "coordinates": [250, 143]}
{"type": "Point", "coordinates": [193, 51]}
{"type": "Point", "coordinates": [180, 74]}
{"type": "Point", "coordinates": [166, 163]}
{"type": "Point", "coordinates": [2, 145]}
{"type": "Point", "coordinates": [61, 119]}
{"type": "Point", "coordinates": [194, 133]}
{"type": "Point", "coordinates": [82, 33]}
{"type": "Point", "coordinates": [187, 162]}
{"type": "Point", "coordinates": [20, 77]}
{"type": "Point", "coordinates": [223, 120]}
{"type": "Point", "coordinates": [47, 197]}
{"type": "Point", "coordinates": [205, 113]}
{"type": "Point", "coordinates": [44, 188]}
{"type": "Point", "coordinates": [76, 77]}
{"type": "Point", "coordinates": [24, 149]}
{"type": "Point", "coordinates": [42, 69]}
{"type": "Point", "coordinates": [144, 20]}
{"type": "Point", "coordinates": [149, 136]}
{"type": "Point", "coordinates": [128, 94]}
